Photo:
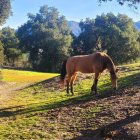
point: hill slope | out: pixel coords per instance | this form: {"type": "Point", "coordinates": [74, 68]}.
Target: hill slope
{"type": "Point", "coordinates": [137, 25]}
{"type": "Point", "coordinates": [43, 111]}
{"type": "Point", "coordinates": [74, 26]}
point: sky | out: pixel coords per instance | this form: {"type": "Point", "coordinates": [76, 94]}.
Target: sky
{"type": "Point", "coordinates": [74, 10]}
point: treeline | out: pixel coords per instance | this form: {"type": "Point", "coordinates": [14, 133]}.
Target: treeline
{"type": "Point", "coordinates": [45, 40]}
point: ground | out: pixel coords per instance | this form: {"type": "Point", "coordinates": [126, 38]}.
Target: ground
{"type": "Point", "coordinates": [36, 108]}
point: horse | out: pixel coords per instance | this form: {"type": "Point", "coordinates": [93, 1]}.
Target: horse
{"type": "Point", "coordinates": [92, 63]}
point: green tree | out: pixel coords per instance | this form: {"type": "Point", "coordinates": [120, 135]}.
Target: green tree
{"type": "Point", "coordinates": [130, 3]}
{"type": "Point", "coordinates": [11, 45]}
{"type": "Point", "coordinates": [114, 34]}
{"type": "Point", "coordinates": [1, 54]}
{"type": "Point", "coordinates": [46, 37]}
{"type": "Point", "coordinates": [86, 42]}
{"type": "Point", "coordinates": [13, 54]}
{"type": "Point", "coordinates": [5, 9]}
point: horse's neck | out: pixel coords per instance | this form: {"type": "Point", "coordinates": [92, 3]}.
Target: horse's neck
{"type": "Point", "coordinates": [110, 65]}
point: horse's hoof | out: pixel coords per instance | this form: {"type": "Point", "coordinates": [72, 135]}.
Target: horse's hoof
{"type": "Point", "coordinates": [67, 94]}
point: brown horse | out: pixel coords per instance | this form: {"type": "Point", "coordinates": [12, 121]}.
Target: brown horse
{"type": "Point", "coordinates": [93, 63]}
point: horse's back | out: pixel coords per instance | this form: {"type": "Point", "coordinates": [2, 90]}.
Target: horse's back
{"type": "Point", "coordinates": [79, 64]}
{"type": "Point", "coordinates": [84, 63]}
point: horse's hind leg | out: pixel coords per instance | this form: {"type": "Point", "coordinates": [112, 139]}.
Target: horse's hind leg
{"type": "Point", "coordinates": [72, 81]}
{"type": "Point", "coordinates": [94, 86]}
{"type": "Point", "coordinates": [67, 82]}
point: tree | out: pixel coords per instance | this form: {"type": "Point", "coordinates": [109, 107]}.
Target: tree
{"type": "Point", "coordinates": [1, 54]}
{"type": "Point", "coordinates": [13, 55]}
{"type": "Point", "coordinates": [86, 42]}
{"type": "Point", "coordinates": [115, 35]}
{"type": "Point", "coordinates": [5, 9]}
{"type": "Point", "coordinates": [46, 37]}
{"type": "Point", "coordinates": [11, 45]}
{"type": "Point", "coordinates": [131, 3]}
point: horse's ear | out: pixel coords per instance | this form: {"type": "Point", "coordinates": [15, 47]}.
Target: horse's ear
{"type": "Point", "coordinates": [117, 69]}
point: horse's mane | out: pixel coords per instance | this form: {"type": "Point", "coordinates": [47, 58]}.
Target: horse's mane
{"type": "Point", "coordinates": [110, 65]}
{"type": "Point", "coordinates": [107, 62]}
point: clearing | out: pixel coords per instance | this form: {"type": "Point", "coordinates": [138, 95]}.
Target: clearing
{"type": "Point", "coordinates": [33, 107]}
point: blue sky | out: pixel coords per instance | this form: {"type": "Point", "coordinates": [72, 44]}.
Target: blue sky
{"type": "Point", "coordinates": [72, 9]}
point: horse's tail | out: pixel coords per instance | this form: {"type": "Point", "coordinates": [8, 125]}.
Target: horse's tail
{"type": "Point", "coordinates": [63, 71]}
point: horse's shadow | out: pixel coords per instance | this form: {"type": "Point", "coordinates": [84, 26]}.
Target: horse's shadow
{"type": "Point", "coordinates": [105, 131]}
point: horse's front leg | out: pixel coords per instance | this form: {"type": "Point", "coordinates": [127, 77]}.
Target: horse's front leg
{"type": "Point", "coordinates": [67, 90]}
{"type": "Point", "coordinates": [72, 82]}
{"type": "Point", "coordinates": [71, 87]}
{"type": "Point", "coordinates": [68, 84]}
{"type": "Point", "coordinates": [94, 86]}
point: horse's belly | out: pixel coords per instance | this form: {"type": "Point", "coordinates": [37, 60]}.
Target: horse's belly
{"type": "Point", "coordinates": [88, 71]}
{"type": "Point", "coordinates": [85, 70]}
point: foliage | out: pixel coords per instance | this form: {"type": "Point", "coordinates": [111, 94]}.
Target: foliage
{"type": "Point", "coordinates": [11, 45]}
{"type": "Point", "coordinates": [47, 38]}
{"type": "Point", "coordinates": [13, 54]}
{"type": "Point", "coordinates": [115, 35]}
{"type": "Point", "coordinates": [130, 3]}
{"type": "Point", "coordinates": [1, 54]}
{"type": "Point", "coordinates": [5, 10]}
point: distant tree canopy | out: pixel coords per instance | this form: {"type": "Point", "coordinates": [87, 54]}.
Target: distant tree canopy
{"type": "Point", "coordinates": [5, 9]}
{"type": "Point", "coordinates": [1, 54]}
{"type": "Point", "coordinates": [47, 39]}
{"type": "Point", "coordinates": [10, 44]}
{"type": "Point", "coordinates": [115, 35]}
{"type": "Point", "coordinates": [122, 2]}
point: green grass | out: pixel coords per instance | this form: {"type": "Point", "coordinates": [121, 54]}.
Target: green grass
{"type": "Point", "coordinates": [32, 115]}
{"type": "Point", "coordinates": [24, 76]}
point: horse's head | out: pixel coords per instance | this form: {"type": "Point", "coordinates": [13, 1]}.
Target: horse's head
{"type": "Point", "coordinates": [113, 75]}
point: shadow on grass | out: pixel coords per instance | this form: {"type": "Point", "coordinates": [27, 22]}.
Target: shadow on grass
{"type": "Point", "coordinates": [125, 82]}
{"type": "Point", "coordinates": [105, 131]}
{"type": "Point", "coordinates": [4, 112]}
{"type": "Point", "coordinates": [41, 82]}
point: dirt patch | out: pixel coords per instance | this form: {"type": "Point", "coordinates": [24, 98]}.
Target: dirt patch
{"type": "Point", "coordinates": [119, 117]}
{"type": "Point", "coordinates": [7, 88]}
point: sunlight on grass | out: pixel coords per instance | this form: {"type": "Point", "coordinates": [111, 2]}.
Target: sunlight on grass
{"type": "Point", "coordinates": [25, 76]}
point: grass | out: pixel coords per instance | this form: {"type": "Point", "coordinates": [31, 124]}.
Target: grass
{"type": "Point", "coordinates": [25, 76]}
{"type": "Point", "coordinates": [35, 115]}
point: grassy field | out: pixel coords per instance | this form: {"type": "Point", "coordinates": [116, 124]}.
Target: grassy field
{"type": "Point", "coordinates": [43, 111]}
{"type": "Point", "coordinates": [24, 76]}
